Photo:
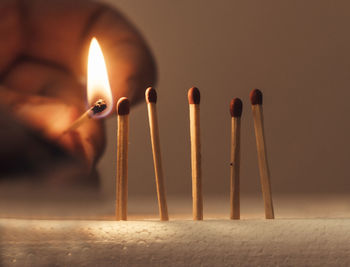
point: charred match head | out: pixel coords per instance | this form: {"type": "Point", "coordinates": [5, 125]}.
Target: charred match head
{"type": "Point", "coordinates": [256, 97]}
{"type": "Point", "coordinates": [194, 96]}
{"type": "Point", "coordinates": [123, 106]}
{"type": "Point", "coordinates": [236, 106]}
{"type": "Point", "coordinates": [151, 95]}
{"type": "Point", "coordinates": [99, 106]}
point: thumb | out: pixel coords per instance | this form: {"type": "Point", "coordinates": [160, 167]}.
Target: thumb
{"type": "Point", "coordinates": [51, 116]}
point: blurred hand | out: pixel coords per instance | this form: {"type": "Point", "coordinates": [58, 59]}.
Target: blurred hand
{"type": "Point", "coordinates": [43, 60]}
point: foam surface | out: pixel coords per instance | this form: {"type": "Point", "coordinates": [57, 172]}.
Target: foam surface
{"type": "Point", "coordinates": [316, 235]}
{"type": "Point", "coordinates": [314, 242]}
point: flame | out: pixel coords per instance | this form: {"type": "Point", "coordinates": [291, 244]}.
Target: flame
{"type": "Point", "coordinates": [97, 79]}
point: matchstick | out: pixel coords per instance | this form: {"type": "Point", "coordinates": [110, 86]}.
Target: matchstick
{"type": "Point", "coordinates": [151, 99]}
{"type": "Point", "coordinates": [256, 98]}
{"type": "Point", "coordinates": [236, 113]}
{"type": "Point", "coordinates": [197, 198]}
{"type": "Point", "coordinates": [123, 108]}
{"type": "Point", "coordinates": [98, 107]}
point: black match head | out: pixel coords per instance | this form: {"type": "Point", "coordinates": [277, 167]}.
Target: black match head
{"type": "Point", "coordinates": [236, 107]}
{"type": "Point", "coordinates": [99, 106]}
{"type": "Point", "coordinates": [123, 106]}
{"type": "Point", "coordinates": [256, 97]}
{"type": "Point", "coordinates": [194, 96]}
{"type": "Point", "coordinates": [151, 95]}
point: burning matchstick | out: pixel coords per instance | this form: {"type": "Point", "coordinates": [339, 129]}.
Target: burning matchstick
{"type": "Point", "coordinates": [98, 87]}
{"type": "Point", "coordinates": [99, 106]}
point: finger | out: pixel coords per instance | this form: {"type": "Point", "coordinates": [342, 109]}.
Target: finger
{"type": "Point", "coordinates": [32, 77]}
{"type": "Point", "coordinates": [51, 117]}
{"type": "Point", "coordinates": [87, 141]}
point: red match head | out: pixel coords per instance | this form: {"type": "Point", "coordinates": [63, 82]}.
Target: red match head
{"type": "Point", "coordinates": [194, 96]}
{"type": "Point", "coordinates": [123, 106]}
{"type": "Point", "coordinates": [256, 97]}
{"type": "Point", "coordinates": [236, 107]}
{"type": "Point", "coordinates": [151, 95]}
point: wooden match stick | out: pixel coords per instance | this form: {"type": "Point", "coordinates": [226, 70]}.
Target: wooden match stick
{"type": "Point", "coordinates": [123, 108]}
{"type": "Point", "coordinates": [151, 99]}
{"type": "Point", "coordinates": [197, 198]}
{"type": "Point", "coordinates": [76, 124]}
{"type": "Point", "coordinates": [236, 113]}
{"type": "Point", "coordinates": [256, 98]}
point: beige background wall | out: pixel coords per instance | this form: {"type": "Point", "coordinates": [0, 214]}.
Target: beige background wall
{"type": "Point", "coordinates": [297, 52]}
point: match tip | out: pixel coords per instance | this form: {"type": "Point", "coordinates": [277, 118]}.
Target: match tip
{"type": "Point", "coordinates": [236, 106]}
{"type": "Point", "coordinates": [256, 97]}
{"type": "Point", "coordinates": [151, 95]}
{"type": "Point", "coordinates": [99, 106]}
{"type": "Point", "coordinates": [194, 96]}
{"type": "Point", "coordinates": [123, 106]}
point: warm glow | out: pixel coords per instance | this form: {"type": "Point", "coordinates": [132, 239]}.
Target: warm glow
{"type": "Point", "coordinates": [97, 78]}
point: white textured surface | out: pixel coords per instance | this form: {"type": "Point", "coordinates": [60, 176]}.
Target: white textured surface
{"type": "Point", "coordinates": [309, 231]}
{"type": "Point", "coordinates": [313, 242]}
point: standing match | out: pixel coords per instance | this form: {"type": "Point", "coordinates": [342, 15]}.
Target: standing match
{"type": "Point", "coordinates": [123, 109]}
{"type": "Point", "coordinates": [256, 99]}
{"type": "Point", "coordinates": [151, 99]}
{"type": "Point", "coordinates": [197, 198]}
{"type": "Point", "coordinates": [236, 113]}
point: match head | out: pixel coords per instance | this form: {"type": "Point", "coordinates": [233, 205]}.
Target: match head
{"type": "Point", "coordinates": [123, 106]}
{"type": "Point", "coordinates": [194, 96]}
{"type": "Point", "coordinates": [236, 107]}
{"type": "Point", "coordinates": [99, 106]}
{"type": "Point", "coordinates": [151, 95]}
{"type": "Point", "coordinates": [256, 97]}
